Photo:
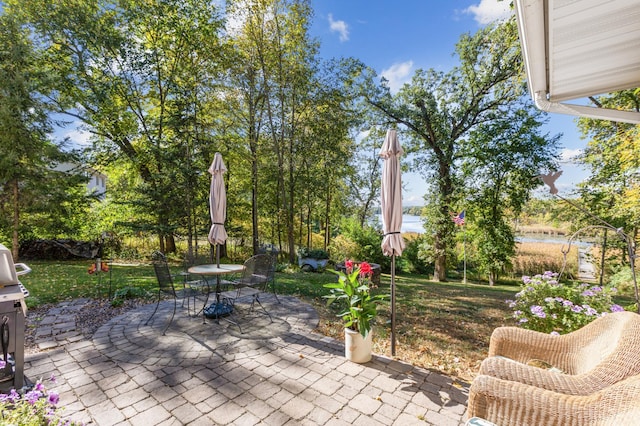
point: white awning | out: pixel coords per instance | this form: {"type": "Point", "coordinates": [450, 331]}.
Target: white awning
{"type": "Point", "coordinates": [578, 48]}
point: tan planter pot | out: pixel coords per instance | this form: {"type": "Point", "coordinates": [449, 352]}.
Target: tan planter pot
{"type": "Point", "coordinates": [356, 348]}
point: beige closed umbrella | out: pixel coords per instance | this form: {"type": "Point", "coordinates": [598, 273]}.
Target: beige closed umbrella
{"type": "Point", "coordinates": [391, 204]}
{"type": "Point", "coordinates": [217, 204]}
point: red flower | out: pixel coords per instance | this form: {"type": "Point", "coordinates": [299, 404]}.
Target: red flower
{"type": "Point", "coordinates": [348, 264]}
{"type": "Point", "coordinates": [365, 269]}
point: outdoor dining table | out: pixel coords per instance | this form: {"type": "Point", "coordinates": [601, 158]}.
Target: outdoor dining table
{"type": "Point", "coordinates": [208, 271]}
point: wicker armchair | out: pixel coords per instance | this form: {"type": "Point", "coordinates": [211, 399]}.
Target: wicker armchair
{"type": "Point", "coordinates": [505, 402]}
{"type": "Point", "coordinates": [598, 355]}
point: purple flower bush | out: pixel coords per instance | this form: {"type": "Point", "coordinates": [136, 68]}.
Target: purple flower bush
{"type": "Point", "coordinates": [546, 305]}
{"type": "Point", "coordinates": [35, 407]}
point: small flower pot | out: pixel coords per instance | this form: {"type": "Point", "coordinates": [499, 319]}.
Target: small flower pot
{"type": "Point", "coordinates": [357, 348]}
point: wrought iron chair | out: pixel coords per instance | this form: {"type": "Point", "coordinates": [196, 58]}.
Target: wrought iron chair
{"type": "Point", "coordinates": [165, 285]}
{"type": "Point", "coordinates": [193, 288]}
{"type": "Point", "coordinates": [254, 280]}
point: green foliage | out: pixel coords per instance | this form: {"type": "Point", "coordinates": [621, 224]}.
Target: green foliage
{"type": "Point", "coordinates": [35, 199]}
{"type": "Point", "coordinates": [128, 292]}
{"type": "Point", "coordinates": [494, 248]}
{"type": "Point", "coordinates": [622, 280]}
{"type": "Point", "coordinates": [354, 287]}
{"type": "Point", "coordinates": [442, 112]}
{"type": "Point", "coordinates": [415, 256]}
{"type": "Point", "coordinates": [366, 243]}
{"type": "Point", "coordinates": [548, 306]}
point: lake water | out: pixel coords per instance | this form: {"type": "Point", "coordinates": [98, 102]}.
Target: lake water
{"type": "Point", "coordinates": [410, 223]}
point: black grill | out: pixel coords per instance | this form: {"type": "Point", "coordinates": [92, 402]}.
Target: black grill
{"type": "Point", "coordinates": [13, 311]}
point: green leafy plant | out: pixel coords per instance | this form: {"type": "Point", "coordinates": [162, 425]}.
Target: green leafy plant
{"type": "Point", "coordinates": [546, 305]}
{"type": "Point", "coordinates": [354, 287]}
{"type": "Point", "coordinates": [36, 407]}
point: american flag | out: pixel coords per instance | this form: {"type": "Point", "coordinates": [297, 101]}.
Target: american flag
{"type": "Point", "coordinates": [459, 219]}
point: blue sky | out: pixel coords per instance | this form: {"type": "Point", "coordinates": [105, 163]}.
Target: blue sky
{"type": "Point", "coordinates": [398, 37]}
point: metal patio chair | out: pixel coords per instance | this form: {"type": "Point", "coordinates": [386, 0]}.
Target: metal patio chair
{"type": "Point", "coordinates": [166, 286]}
{"type": "Point", "coordinates": [253, 282]}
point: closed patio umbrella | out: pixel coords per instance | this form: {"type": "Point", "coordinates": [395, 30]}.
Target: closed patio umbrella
{"type": "Point", "coordinates": [217, 204]}
{"type": "Point", "coordinates": [391, 204]}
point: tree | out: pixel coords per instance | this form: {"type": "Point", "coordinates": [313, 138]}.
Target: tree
{"type": "Point", "coordinates": [612, 191]}
{"type": "Point", "coordinates": [28, 182]}
{"type": "Point", "coordinates": [127, 71]}
{"type": "Point", "coordinates": [437, 111]}
{"type": "Point", "coordinates": [500, 165]}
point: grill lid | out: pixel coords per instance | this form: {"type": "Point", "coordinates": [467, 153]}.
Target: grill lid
{"type": "Point", "coordinates": [8, 275]}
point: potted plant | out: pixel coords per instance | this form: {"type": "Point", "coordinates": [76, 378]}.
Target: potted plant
{"type": "Point", "coordinates": [354, 287]}
{"type": "Point", "coordinates": [312, 259]}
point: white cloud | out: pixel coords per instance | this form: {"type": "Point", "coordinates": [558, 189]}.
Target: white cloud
{"type": "Point", "coordinates": [339, 27]}
{"type": "Point", "coordinates": [397, 75]}
{"type": "Point", "coordinates": [78, 137]}
{"type": "Point", "coordinates": [569, 155]}
{"type": "Point", "coordinates": [489, 10]}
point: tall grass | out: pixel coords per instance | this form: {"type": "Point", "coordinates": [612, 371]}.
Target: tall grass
{"type": "Point", "coordinates": [536, 258]}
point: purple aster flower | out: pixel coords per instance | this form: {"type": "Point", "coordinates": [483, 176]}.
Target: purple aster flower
{"type": "Point", "coordinates": [52, 378]}
{"type": "Point", "coordinates": [538, 311]}
{"type": "Point", "coordinates": [567, 303]}
{"type": "Point", "coordinates": [526, 279]}
{"type": "Point", "coordinates": [516, 314]}
{"type": "Point", "coordinates": [523, 320]}
{"type": "Point", "coordinates": [39, 386]}
{"type": "Point", "coordinates": [559, 299]}
{"type": "Point", "coordinates": [54, 398]}
{"type": "Point", "coordinates": [510, 303]}
{"type": "Point", "coordinates": [588, 293]}
{"type": "Point", "coordinates": [2, 363]}
{"type": "Point", "coordinates": [549, 299]}
{"type": "Point", "coordinates": [530, 288]}
{"type": "Point", "coordinates": [616, 308]}
{"type": "Point", "coordinates": [32, 396]}
{"type": "Point", "coordinates": [589, 311]}
{"type": "Point", "coordinates": [596, 289]}
{"type": "Point", "coordinates": [576, 308]}
{"type": "Point", "coordinates": [554, 333]}
{"type": "Point", "coordinates": [13, 396]}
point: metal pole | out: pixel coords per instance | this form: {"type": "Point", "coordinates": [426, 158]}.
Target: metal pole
{"type": "Point", "coordinates": [393, 304]}
{"type": "Point", "coordinates": [464, 254]}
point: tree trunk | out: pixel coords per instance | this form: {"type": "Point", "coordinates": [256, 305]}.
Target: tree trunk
{"type": "Point", "coordinates": [15, 244]}
{"type": "Point", "coordinates": [170, 244]}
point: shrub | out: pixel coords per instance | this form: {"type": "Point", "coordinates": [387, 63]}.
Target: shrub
{"type": "Point", "coordinates": [546, 305]}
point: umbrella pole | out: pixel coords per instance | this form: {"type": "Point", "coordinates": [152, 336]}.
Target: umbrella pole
{"type": "Point", "coordinates": [393, 304]}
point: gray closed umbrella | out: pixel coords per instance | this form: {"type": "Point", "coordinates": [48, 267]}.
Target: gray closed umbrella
{"type": "Point", "coordinates": [391, 204]}
{"type": "Point", "coordinates": [217, 204]}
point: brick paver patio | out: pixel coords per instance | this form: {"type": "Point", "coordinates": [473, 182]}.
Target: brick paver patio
{"type": "Point", "coordinates": [208, 374]}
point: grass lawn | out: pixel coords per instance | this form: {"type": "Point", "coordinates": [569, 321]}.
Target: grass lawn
{"type": "Point", "coordinates": [439, 326]}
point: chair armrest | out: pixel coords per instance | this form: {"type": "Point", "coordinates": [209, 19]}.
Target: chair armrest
{"type": "Point", "coordinates": [510, 403]}
{"type": "Point", "coordinates": [522, 345]}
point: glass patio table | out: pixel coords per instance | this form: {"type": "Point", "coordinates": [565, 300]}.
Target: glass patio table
{"type": "Point", "coordinates": [208, 271]}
